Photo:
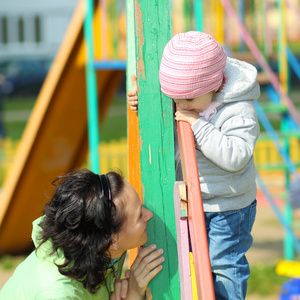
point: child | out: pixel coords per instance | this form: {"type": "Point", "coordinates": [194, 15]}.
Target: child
{"type": "Point", "coordinates": [215, 96]}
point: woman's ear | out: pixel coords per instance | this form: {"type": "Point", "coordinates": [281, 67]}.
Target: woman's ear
{"type": "Point", "coordinates": [114, 245]}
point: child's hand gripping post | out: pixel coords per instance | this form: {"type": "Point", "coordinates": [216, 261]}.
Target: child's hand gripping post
{"type": "Point", "coordinates": [132, 98]}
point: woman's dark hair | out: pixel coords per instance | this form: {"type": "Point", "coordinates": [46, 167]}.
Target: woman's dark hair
{"type": "Point", "coordinates": [80, 219]}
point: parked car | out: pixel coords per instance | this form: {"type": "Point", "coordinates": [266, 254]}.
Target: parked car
{"type": "Point", "coordinates": [23, 76]}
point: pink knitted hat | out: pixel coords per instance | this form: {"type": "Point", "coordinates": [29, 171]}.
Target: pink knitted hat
{"type": "Point", "coordinates": [192, 65]}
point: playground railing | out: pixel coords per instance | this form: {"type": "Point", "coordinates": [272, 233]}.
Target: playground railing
{"type": "Point", "coordinates": [8, 149]}
{"type": "Point", "coordinates": [267, 157]}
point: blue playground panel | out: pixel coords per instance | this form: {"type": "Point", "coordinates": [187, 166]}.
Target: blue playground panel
{"type": "Point", "coordinates": [290, 290]}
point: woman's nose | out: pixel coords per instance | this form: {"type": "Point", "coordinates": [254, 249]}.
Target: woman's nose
{"type": "Point", "coordinates": [149, 215]}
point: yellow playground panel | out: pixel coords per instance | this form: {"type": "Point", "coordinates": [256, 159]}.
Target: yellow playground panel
{"type": "Point", "coordinates": [266, 153]}
{"type": "Point", "coordinates": [288, 268]}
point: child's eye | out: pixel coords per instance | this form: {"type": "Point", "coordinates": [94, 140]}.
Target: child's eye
{"type": "Point", "coordinates": [189, 99]}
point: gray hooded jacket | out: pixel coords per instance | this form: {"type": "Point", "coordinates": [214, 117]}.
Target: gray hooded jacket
{"type": "Point", "coordinates": [225, 144]}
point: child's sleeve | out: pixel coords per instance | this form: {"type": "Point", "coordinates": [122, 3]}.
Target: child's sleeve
{"type": "Point", "coordinates": [231, 146]}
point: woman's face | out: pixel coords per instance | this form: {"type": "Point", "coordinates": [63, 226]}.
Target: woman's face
{"type": "Point", "coordinates": [133, 232]}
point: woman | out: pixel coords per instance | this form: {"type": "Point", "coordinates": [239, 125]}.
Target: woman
{"type": "Point", "coordinates": [81, 242]}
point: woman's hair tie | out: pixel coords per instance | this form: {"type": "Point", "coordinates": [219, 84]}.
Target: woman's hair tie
{"type": "Point", "coordinates": [105, 188]}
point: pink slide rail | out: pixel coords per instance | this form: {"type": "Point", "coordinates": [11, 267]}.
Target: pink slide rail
{"type": "Point", "coordinates": [196, 218]}
{"type": "Point", "coordinates": [262, 61]}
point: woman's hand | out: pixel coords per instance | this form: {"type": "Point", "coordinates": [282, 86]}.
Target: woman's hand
{"type": "Point", "coordinates": [132, 98]}
{"type": "Point", "coordinates": [187, 116]}
{"type": "Point", "coordinates": [120, 288]}
{"type": "Point", "coordinates": [145, 267]}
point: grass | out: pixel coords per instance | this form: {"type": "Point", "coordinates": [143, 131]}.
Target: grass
{"type": "Point", "coordinates": [295, 47]}
{"type": "Point", "coordinates": [14, 129]}
{"type": "Point", "coordinates": [10, 262]}
{"type": "Point", "coordinates": [264, 281]}
{"type": "Point", "coordinates": [114, 126]}
{"type": "Point", "coordinates": [18, 103]}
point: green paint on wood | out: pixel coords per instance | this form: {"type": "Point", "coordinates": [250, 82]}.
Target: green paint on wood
{"type": "Point", "coordinates": [130, 43]}
{"type": "Point", "coordinates": [157, 141]}
{"type": "Point", "coordinates": [91, 83]}
{"type": "Point", "coordinates": [198, 8]}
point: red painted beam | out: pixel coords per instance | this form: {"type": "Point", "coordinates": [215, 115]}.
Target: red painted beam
{"type": "Point", "coordinates": [195, 211]}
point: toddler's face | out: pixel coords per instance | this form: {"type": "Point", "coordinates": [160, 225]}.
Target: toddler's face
{"type": "Point", "coordinates": [197, 104]}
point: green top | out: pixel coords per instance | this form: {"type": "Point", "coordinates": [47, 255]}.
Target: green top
{"type": "Point", "coordinates": [38, 278]}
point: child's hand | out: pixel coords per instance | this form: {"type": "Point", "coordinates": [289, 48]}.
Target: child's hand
{"type": "Point", "coordinates": [132, 95]}
{"type": "Point", "coordinates": [187, 116]}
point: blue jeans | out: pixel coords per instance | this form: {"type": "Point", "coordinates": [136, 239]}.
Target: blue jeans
{"type": "Point", "coordinates": [229, 238]}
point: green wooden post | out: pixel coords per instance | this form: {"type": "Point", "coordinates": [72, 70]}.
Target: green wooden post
{"type": "Point", "coordinates": [91, 86]}
{"type": "Point", "coordinates": [157, 141]}
{"type": "Point", "coordinates": [170, 19]}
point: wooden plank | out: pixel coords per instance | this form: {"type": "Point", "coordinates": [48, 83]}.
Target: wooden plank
{"type": "Point", "coordinates": [182, 246]}
{"type": "Point", "coordinates": [157, 141]}
{"type": "Point", "coordinates": [134, 167]}
{"type": "Point", "coordinates": [195, 212]}
{"type": "Point", "coordinates": [193, 276]}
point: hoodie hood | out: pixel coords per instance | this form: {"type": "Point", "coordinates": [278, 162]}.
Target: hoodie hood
{"type": "Point", "coordinates": [46, 248]}
{"type": "Point", "coordinates": [241, 82]}
{"type": "Point", "coordinates": [36, 230]}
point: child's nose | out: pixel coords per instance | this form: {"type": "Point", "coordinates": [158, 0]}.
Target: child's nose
{"type": "Point", "coordinates": [182, 105]}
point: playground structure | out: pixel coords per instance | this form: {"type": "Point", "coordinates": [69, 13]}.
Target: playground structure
{"type": "Point", "coordinates": [55, 139]}
{"type": "Point", "coordinates": [151, 134]}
